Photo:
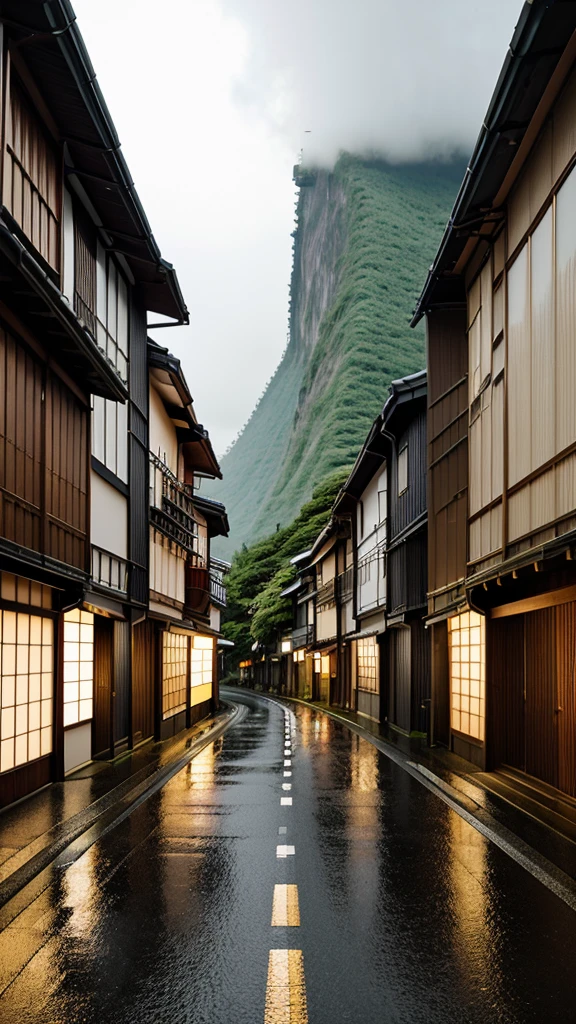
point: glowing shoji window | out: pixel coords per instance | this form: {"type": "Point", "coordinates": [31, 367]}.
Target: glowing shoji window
{"type": "Point", "coordinates": [78, 666]}
{"type": "Point", "coordinates": [467, 645]}
{"type": "Point", "coordinates": [201, 660]}
{"type": "Point", "coordinates": [26, 701]}
{"type": "Point", "coordinates": [174, 674]}
{"type": "Point", "coordinates": [368, 664]}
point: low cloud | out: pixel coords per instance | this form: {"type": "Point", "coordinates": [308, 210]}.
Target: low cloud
{"type": "Point", "coordinates": [401, 79]}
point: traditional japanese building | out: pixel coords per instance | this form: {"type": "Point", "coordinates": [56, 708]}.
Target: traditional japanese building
{"type": "Point", "coordinates": [499, 304]}
{"type": "Point", "coordinates": [363, 500]}
{"type": "Point", "coordinates": [81, 274]}
{"type": "Point", "coordinates": [185, 592]}
{"type": "Point", "coordinates": [407, 676]}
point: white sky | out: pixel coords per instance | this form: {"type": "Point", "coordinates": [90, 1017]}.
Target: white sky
{"type": "Point", "coordinates": [216, 185]}
{"type": "Point", "coordinates": [212, 100]}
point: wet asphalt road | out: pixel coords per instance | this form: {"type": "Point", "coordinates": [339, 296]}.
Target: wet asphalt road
{"type": "Point", "coordinates": [407, 913]}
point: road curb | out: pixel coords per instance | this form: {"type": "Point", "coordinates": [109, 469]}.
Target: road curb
{"type": "Point", "coordinates": [94, 821]}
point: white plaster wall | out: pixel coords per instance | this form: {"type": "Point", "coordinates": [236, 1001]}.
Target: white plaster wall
{"type": "Point", "coordinates": [163, 440]}
{"type": "Point", "coordinates": [372, 592]}
{"type": "Point", "coordinates": [108, 517]}
{"type": "Point", "coordinates": [166, 568]}
{"type": "Point", "coordinates": [77, 746]}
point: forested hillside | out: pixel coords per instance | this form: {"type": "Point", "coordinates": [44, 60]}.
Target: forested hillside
{"type": "Point", "coordinates": [365, 237]}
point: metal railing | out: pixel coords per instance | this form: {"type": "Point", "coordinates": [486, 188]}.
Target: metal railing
{"type": "Point", "coordinates": [109, 571]}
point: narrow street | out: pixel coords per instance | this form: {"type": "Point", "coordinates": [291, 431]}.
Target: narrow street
{"type": "Point", "coordinates": [406, 912]}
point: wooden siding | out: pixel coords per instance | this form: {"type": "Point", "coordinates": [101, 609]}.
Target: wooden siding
{"type": "Point", "coordinates": [523, 424]}
{"type": "Point", "coordinates": [103, 686]}
{"type": "Point", "coordinates": [143, 673]}
{"type": "Point", "coordinates": [407, 573]}
{"type": "Point", "coordinates": [43, 458]}
{"type": "Point", "coordinates": [138, 538]}
{"type": "Point", "coordinates": [32, 176]}
{"type": "Point", "coordinates": [447, 448]}
{"type": "Point", "coordinates": [85, 271]}
{"type": "Point", "coordinates": [420, 696]}
{"type": "Point", "coordinates": [532, 694]}
{"type": "Point", "coordinates": [122, 675]}
{"type": "Point", "coordinates": [66, 475]}
{"type": "Point", "coordinates": [406, 507]}
{"type": "Point", "coordinates": [400, 685]}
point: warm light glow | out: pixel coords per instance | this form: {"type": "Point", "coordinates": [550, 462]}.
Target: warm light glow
{"type": "Point", "coordinates": [301, 655]}
{"type": "Point", "coordinates": [286, 646]}
{"type": "Point", "coordinates": [295, 656]}
{"type": "Point", "coordinates": [78, 666]}
{"type": "Point", "coordinates": [367, 650]}
{"type": "Point", "coordinates": [201, 660]}
{"type": "Point", "coordinates": [27, 658]}
{"type": "Point", "coordinates": [203, 643]}
{"type": "Point", "coordinates": [467, 647]}
{"type": "Point", "coordinates": [174, 673]}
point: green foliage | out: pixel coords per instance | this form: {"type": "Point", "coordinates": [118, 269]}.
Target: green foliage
{"type": "Point", "coordinates": [259, 573]}
{"type": "Point", "coordinates": [386, 225]}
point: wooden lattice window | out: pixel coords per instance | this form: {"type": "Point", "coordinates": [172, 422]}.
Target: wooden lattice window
{"type": "Point", "coordinates": [32, 177]}
{"type": "Point", "coordinates": [85, 273]}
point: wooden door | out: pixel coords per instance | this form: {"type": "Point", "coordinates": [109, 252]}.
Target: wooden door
{"type": "Point", "coordinates": [505, 704]}
{"type": "Point", "coordinates": [143, 674]}
{"type": "Point", "coordinates": [566, 696]}
{"type": "Point", "coordinates": [102, 743]}
{"type": "Point", "coordinates": [541, 737]}
{"type": "Point", "coordinates": [402, 677]}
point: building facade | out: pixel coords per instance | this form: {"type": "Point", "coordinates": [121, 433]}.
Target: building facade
{"type": "Point", "coordinates": [81, 272]}
{"type": "Point", "coordinates": [502, 428]}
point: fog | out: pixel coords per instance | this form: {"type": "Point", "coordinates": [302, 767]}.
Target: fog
{"type": "Point", "coordinates": [404, 79]}
{"type": "Point", "coordinates": [212, 100]}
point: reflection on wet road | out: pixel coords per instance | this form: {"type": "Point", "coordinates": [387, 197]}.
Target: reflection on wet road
{"type": "Point", "coordinates": [227, 898]}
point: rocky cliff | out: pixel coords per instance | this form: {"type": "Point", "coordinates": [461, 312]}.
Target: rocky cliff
{"type": "Point", "coordinates": [365, 235]}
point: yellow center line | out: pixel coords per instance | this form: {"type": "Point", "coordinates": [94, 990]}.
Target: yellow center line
{"type": "Point", "coordinates": [286, 988]}
{"type": "Point", "coordinates": [285, 907]}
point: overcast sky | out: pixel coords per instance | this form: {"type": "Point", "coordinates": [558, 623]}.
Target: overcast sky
{"type": "Point", "coordinates": [213, 100]}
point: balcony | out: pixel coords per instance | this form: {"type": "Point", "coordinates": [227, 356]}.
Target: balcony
{"type": "Point", "coordinates": [217, 590]}
{"type": "Point", "coordinates": [303, 636]}
{"type": "Point", "coordinates": [326, 594]}
{"type": "Point", "coordinates": [172, 511]}
{"type": "Point", "coordinates": [109, 571]}
{"type": "Point", "coordinates": [198, 590]}
{"type": "Point", "coordinates": [346, 584]}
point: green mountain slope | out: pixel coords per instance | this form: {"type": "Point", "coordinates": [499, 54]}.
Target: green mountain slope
{"type": "Point", "coordinates": [365, 237]}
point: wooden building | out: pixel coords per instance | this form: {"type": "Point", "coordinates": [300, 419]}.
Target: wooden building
{"type": "Point", "coordinates": [363, 500]}
{"type": "Point", "coordinates": [358, 639]}
{"type": "Point", "coordinates": [499, 303]}
{"type": "Point", "coordinates": [185, 594]}
{"type": "Point", "coordinates": [407, 675]}
{"type": "Point", "coordinates": [80, 273]}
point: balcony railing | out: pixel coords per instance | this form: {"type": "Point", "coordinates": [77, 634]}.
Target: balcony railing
{"type": "Point", "coordinates": [346, 584]}
{"type": "Point", "coordinates": [198, 590]}
{"type": "Point", "coordinates": [327, 593]}
{"type": "Point", "coordinates": [109, 571]}
{"type": "Point", "coordinates": [302, 636]}
{"type": "Point", "coordinates": [172, 511]}
{"type": "Point", "coordinates": [217, 590]}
